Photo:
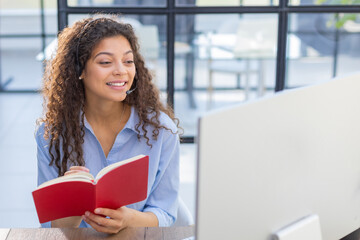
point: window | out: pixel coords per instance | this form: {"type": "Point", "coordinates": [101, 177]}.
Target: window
{"type": "Point", "coordinates": [321, 46]}
{"type": "Point", "coordinates": [26, 29]}
{"type": "Point", "coordinates": [221, 60]}
{"type": "Point", "coordinates": [205, 54]}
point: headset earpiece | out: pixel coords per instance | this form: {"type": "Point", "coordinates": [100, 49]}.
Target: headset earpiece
{"type": "Point", "coordinates": [78, 69]}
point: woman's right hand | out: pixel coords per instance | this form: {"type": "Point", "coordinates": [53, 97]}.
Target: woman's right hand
{"type": "Point", "coordinates": [70, 222]}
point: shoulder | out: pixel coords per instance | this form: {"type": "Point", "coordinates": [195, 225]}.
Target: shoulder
{"type": "Point", "coordinates": [163, 119]}
{"type": "Point", "coordinates": [39, 130]}
{"type": "Point", "coordinates": [167, 122]}
{"type": "Point", "coordinates": [39, 133]}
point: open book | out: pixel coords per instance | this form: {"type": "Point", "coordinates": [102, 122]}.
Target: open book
{"type": "Point", "coordinates": [116, 185]}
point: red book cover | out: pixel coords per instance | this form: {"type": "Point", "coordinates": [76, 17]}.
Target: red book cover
{"type": "Point", "coordinates": [117, 185]}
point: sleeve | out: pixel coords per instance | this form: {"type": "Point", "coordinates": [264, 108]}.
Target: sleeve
{"type": "Point", "coordinates": [45, 172]}
{"type": "Point", "coordinates": [163, 199]}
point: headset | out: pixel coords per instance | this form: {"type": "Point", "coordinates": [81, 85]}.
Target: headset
{"type": "Point", "coordinates": [78, 68]}
{"type": "Point", "coordinates": [131, 90]}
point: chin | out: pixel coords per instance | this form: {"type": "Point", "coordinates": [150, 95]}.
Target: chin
{"type": "Point", "coordinates": [117, 98]}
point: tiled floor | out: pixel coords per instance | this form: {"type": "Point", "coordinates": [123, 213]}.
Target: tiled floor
{"type": "Point", "coordinates": [18, 170]}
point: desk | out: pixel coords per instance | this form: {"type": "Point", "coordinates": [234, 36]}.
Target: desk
{"type": "Point", "coordinates": [164, 233]}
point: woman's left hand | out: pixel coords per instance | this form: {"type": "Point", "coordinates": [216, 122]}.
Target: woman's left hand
{"type": "Point", "coordinates": [118, 219]}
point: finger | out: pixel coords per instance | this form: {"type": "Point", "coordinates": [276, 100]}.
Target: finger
{"type": "Point", "coordinates": [72, 172]}
{"type": "Point", "coordinates": [100, 220]}
{"type": "Point", "coordinates": [69, 172]}
{"type": "Point", "coordinates": [79, 168]}
{"type": "Point", "coordinates": [114, 214]}
{"type": "Point", "coordinates": [96, 226]}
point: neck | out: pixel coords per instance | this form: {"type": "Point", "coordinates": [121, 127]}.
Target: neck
{"type": "Point", "coordinates": [104, 112]}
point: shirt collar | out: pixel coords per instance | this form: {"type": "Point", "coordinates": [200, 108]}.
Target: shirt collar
{"type": "Point", "coordinates": [133, 120]}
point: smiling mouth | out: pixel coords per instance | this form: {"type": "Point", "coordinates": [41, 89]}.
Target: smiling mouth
{"type": "Point", "coordinates": [116, 84]}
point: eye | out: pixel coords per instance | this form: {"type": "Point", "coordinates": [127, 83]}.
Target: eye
{"type": "Point", "coordinates": [129, 62]}
{"type": "Point", "coordinates": [105, 62]}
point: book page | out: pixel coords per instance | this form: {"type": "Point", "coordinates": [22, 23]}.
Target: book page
{"type": "Point", "coordinates": [79, 176]}
{"type": "Point", "coordinates": [115, 165]}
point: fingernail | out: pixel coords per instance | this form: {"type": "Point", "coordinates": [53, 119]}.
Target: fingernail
{"type": "Point", "coordinates": [87, 213]}
{"type": "Point", "coordinates": [97, 211]}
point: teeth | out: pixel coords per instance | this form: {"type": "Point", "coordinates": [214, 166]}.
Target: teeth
{"type": "Point", "coordinates": [116, 84]}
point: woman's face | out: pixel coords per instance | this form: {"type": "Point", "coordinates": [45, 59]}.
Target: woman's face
{"type": "Point", "coordinates": [110, 70]}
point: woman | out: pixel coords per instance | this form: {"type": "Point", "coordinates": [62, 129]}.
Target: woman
{"type": "Point", "coordinates": [101, 107]}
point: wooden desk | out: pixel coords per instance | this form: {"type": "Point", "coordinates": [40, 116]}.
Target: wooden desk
{"type": "Point", "coordinates": [163, 233]}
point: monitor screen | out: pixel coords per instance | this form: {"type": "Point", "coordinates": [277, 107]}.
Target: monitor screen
{"type": "Point", "coordinates": [267, 163]}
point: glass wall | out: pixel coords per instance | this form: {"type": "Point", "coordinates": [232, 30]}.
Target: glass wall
{"type": "Point", "coordinates": [321, 46]}
{"type": "Point", "coordinates": [203, 60]}
{"type": "Point", "coordinates": [222, 60]}
{"type": "Point", "coordinates": [26, 29]}
{"type": "Point", "coordinates": [119, 3]}
{"type": "Point", "coordinates": [204, 3]}
{"type": "Point", "coordinates": [323, 2]}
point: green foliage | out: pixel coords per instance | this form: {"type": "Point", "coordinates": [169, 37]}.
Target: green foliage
{"type": "Point", "coordinates": [338, 2]}
{"type": "Point", "coordinates": [340, 19]}
{"type": "Point", "coordinates": [343, 19]}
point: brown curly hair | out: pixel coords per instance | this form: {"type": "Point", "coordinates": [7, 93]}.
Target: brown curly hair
{"type": "Point", "coordinates": [64, 95]}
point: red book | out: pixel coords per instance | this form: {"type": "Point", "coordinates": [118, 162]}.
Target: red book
{"type": "Point", "coordinates": [116, 185]}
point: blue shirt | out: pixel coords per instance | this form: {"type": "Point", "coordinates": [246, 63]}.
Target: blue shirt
{"type": "Point", "coordinates": [163, 180]}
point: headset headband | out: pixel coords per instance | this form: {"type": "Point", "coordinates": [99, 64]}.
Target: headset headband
{"type": "Point", "coordinates": [78, 67]}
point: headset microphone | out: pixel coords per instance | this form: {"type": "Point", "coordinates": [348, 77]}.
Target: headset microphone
{"type": "Point", "coordinates": [130, 91]}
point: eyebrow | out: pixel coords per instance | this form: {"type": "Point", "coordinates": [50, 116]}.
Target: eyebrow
{"type": "Point", "coordinates": [111, 54]}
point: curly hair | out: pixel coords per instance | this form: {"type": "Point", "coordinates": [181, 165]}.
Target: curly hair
{"type": "Point", "coordinates": [64, 93]}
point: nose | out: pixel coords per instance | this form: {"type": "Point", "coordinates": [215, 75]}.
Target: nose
{"type": "Point", "coordinates": [119, 68]}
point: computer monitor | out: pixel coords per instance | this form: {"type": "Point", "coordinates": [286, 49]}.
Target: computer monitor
{"type": "Point", "coordinates": [267, 163]}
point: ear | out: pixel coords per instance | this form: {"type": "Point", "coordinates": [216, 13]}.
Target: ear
{"type": "Point", "coordinates": [83, 75]}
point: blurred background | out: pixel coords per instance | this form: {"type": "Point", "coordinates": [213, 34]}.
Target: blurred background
{"type": "Point", "coordinates": [204, 54]}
